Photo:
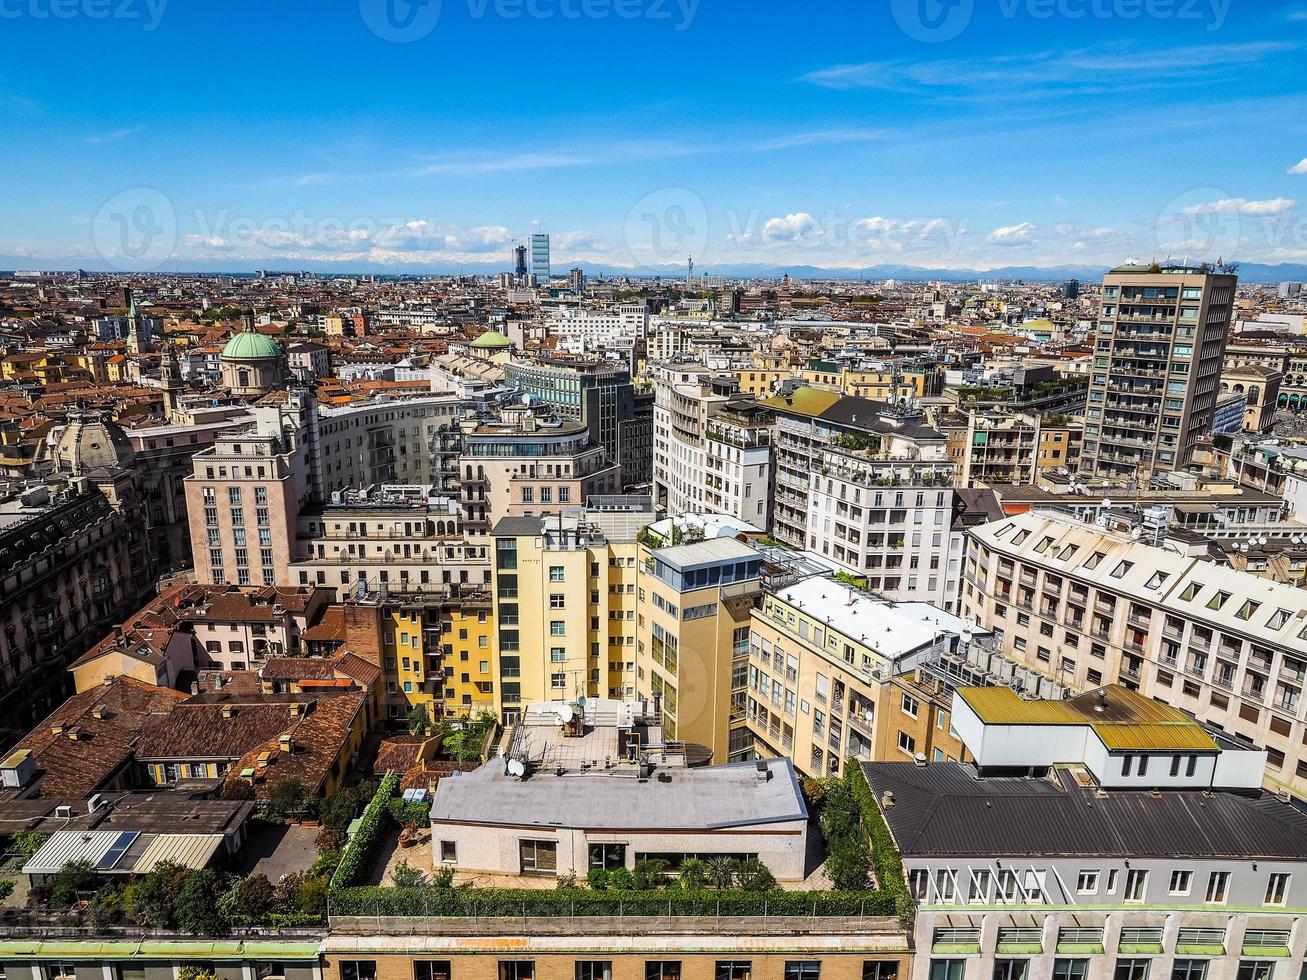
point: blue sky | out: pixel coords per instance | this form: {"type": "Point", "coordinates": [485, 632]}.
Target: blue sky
{"type": "Point", "coordinates": [362, 133]}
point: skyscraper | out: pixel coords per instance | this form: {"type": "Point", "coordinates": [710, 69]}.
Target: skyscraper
{"type": "Point", "coordinates": [519, 261]}
{"type": "Point", "coordinates": [1071, 289]}
{"type": "Point", "coordinates": [540, 257]}
{"type": "Point", "coordinates": [1157, 367]}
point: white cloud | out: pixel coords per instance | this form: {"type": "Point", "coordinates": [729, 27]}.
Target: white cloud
{"type": "Point", "coordinates": [791, 228]}
{"type": "Point", "coordinates": [1299, 168]}
{"type": "Point", "coordinates": [114, 135]}
{"type": "Point", "coordinates": [1239, 205]}
{"type": "Point", "coordinates": [1022, 234]}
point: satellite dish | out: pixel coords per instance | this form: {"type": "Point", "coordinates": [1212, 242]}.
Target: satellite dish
{"type": "Point", "coordinates": [1136, 533]}
{"type": "Point", "coordinates": [1107, 502]}
{"type": "Point", "coordinates": [565, 714]}
{"type": "Point", "coordinates": [515, 768]}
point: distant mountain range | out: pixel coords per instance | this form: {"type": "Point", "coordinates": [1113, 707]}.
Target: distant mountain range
{"type": "Point", "coordinates": [1248, 272]}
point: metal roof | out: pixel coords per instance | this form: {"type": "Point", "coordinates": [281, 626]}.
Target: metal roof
{"type": "Point", "coordinates": [189, 850]}
{"type": "Point", "coordinates": [68, 846]}
{"type": "Point", "coordinates": [1123, 720]}
{"type": "Point", "coordinates": [121, 851]}
{"type": "Point", "coordinates": [944, 810]}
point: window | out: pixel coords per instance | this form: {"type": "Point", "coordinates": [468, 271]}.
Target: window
{"type": "Point", "coordinates": [1070, 969]}
{"type": "Point", "coordinates": [1255, 970]}
{"type": "Point", "coordinates": [1087, 883]}
{"type": "Point", "coordinates": [431, 970]}
{"type": "Point", "coordinates": [358, 970]}
{"type": "Point", "coordinates": [1136, 885]}
{"type": "Point", "coordinates": [880, 970]}
{"type": "Point", "coordinates": [802, 970]}
{"type": "Point", "coordinates": [910, 706]}
{"type": "Point", "coordinates": [947, 969]}
{"type": "Point", "coordinates": [60, 971]}
{"type": "Point", "coordinates": [1217, 883]}
{"type": "Point", "coordinates": [662, 970]}
{"type": "Point", "coordinates": [557, 600]}
{"type": "Point", "coordinates": [1131, 969]}
{"type": "Point", "coordinates": [594, 970]}
{"type": "Point", "coordinates": [979, 892]}
{"type": "Point", "coordinates": [517, 970]}
{"type": "Point", "coordinates": [733, 970]}
{"type": "Point", "coordinates": [556, 573]}
{"type": "Point", "coordinates": [1011, 969]}
{"type": "Point", "coordinates": [1181, 882]}
{"type": "Point", "coordinates": [1189, 970]}
{"type": "Point", "coordinates": [907, 743]}
{"type": "Point", "coordinates": [1277, 888]}
{"type": "Point", "coordinates": [608, 856]}
{"type": "Point", "coordinates": [538, 856]}
{"type": "Point", "coordinates": [448, 850]}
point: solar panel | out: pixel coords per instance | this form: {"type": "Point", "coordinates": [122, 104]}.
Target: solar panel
{"type": "Point", "coordinates": [116, 851]}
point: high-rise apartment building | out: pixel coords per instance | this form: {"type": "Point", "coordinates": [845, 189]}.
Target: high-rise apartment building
{"type": "Point", "coordinates": [565, 608]}
{"type": "Point", "coordinates": [540, 258]}
{"type": "Point", "coordinates": [1156, 369]}
{"type": "Point", "coordinates": [519, 261]}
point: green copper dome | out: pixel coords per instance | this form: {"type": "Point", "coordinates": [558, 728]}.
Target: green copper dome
{"type": "Point", "coordinates": [250, 346]}
{"type": "Point", "coordinates": [491, 339]}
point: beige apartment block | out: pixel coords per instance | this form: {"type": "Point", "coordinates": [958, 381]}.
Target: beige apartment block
{"type": "Point", "coordinates": [1088, 605]}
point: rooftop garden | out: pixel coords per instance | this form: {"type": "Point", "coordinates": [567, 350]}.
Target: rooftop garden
{"type": "Point", "coordinates": [698, 888]}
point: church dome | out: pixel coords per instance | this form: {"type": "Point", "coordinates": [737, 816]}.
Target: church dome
{"type": "Point", "coordinates": [248, 345]}
{"type": "Point", "coordinates": [89, 442]}
{"type": "Point", "coordinates": [491, 340]}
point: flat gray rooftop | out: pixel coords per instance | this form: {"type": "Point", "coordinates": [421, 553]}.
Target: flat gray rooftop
{"type": "Point", "coordinates": [712, 798]}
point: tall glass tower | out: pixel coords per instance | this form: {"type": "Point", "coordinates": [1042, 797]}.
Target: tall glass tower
{"type": "Point", "coordinates": [540, 257]}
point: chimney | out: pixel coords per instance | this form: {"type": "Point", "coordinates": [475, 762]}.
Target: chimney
{"type": "Point", "coordinates": [887, 800]}
{"type": "Point", "coordinates": [764, 772]}
{"type": "Point", "coordinates": [287, 744]}
{"type": "Point", "coordinates": [57, 729]}
{"type": "Point", "coordinates": [229, 711]}
{"type": "Point", "coordinates": [101, 712]}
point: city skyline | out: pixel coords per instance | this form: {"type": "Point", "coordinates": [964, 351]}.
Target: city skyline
{"type": "Point", "coordinates": [841, 150]}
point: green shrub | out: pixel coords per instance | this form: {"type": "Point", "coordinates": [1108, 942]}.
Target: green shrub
{"type": "Point", "coordinates": [406, 876]}
{"type": "Point", "coordinates": [69, 882]}
{"type": "Point", "coordinates": [885, 856]}
{"type": "Point", "coordinates": [458, 902]}
{"type": "Point", "coordinates": [196, 907]}
{"type": "Point", "coordinates": [27, 842]}
{"type": "Point", "coordinates": [598, 878]}
{"type": "Point", "coordinates": [362, 847]}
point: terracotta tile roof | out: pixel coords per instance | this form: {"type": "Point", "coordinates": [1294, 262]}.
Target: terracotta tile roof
{"type": "Point", "coordinates": [105, 744]}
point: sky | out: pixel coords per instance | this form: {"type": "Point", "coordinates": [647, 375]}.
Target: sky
{"type": "Point", "coordinates": [362, 134]}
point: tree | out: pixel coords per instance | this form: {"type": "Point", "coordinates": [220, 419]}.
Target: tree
{"type": "Point", "coordinates": [419, 722]}
{"type": "Point", "coordinates": [406, 876]}
{"type": "Point", "coordinates": [721, 872]}
{"type": "Point", "coordinates": [69, 882]}
{"type": "Point", "coordinates": [286, 796]}
{"type": "Point", "coordinates": [27, 843]}
{"type": "Point", "coordinates": [255, 895]}
{"type": "Point", "coordinates": [196, 906]}
{"type": "Point", "coordinates": [648, 874]}
{"type": "Point", "coordinates": [237, 789]}
{"type": "Point", "coordinates": [150, 899]}
{"type": "Point", "coordinates": [754, 876]}
{"type": "Point", "coordinates": [694, 873]}
{"type": "Point", "coordinates": [311, 896]}
{"type": "Point", "coordinates": [337, 810]}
